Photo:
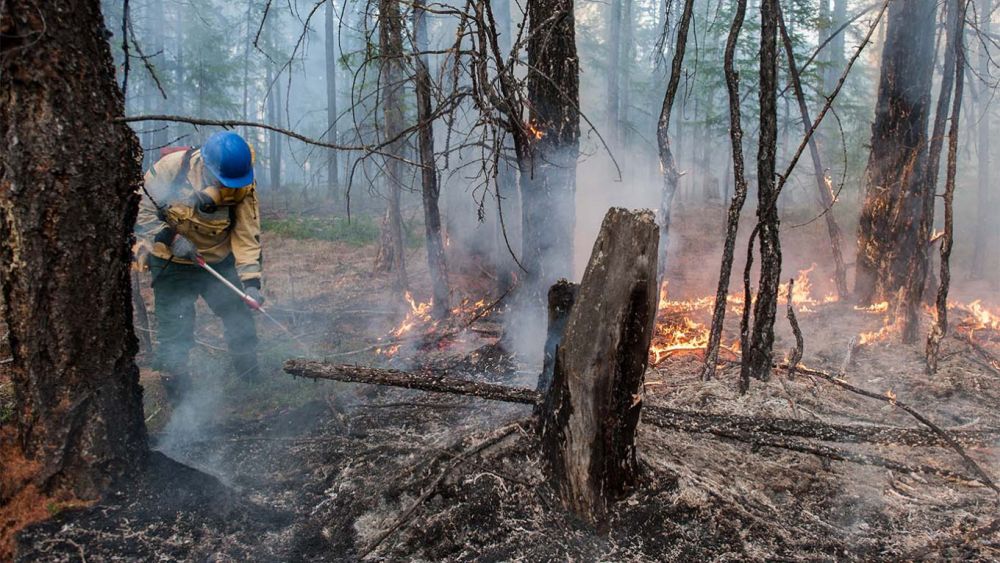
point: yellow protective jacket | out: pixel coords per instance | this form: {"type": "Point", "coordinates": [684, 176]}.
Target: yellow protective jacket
{"type": "Point", "coordinates": [230, 226]}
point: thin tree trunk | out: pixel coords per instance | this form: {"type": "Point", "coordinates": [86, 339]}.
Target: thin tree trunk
{"type": "Point", "coordinates": [757, 359]}
{"type": "Point", "coordinates": [888, 230]}
{"type": "Point", "coordinates": [614, 39]}
{"type": "Point", "coordinates": [391, 257]}
{"type": "Point", "coordinates": [428, 174]}
{"type": "Point", "coordinates": [739, 197]}
{"type": "Point", "coordinates": [245, 109]}
{"type": "Point", "coordinates": [667, 164]}
{"type": "Point", "coordinates": [982, 251]}
{"type": "Point", "coordinates": [941, 326]}
{"type": "Point", "coordinates": [627, 56]}
{"type": "Point", "coordinates": [66, 217]}
{"type": "Point", "coordinates": [822, 185]}
{"type": "Point", "coordinates": [508, 231]}
{"type": "Point", "coordinates": [332, 165]}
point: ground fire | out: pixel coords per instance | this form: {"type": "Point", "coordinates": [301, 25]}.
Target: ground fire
{"type": "Point", "coordinates": [499, 281]}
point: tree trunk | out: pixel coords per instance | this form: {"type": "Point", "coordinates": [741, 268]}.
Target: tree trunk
{"type": "Point", "coordinates": [590, 412]}
{"type": "Point", "coordinates": [739, 196]}
{"type": "Point", "coordinates": [331, 100]}
{"type": "Point", "coordinates": [822, 185]}
{"type": "Point", "coordinates": [391, 257]}
{"type": "Point", "coordinates": [66, 216]}
{"type": "Point", "coordinates": [562, 295]}
{"type": "Point", "coordinates": [627, 56]}
{"type": "Point", "coordinates": [428, 174]}
{"type": "Point", "coordinates": [757, 358]}
{"type": "Point", "coordinates": [887, 234]}
{"type": "Point", "coordinates": [614, 39]}
{"type": "Point", "coordinates": [508, 224]}
{"type": "Point", "coordinates": [984, 216]}
{"type": "Point", "coordinates": [920, 263]}
{"type": "Point", "coordinates": [667, 164]}
{"type": "Point", "coordinates": [548, 176]}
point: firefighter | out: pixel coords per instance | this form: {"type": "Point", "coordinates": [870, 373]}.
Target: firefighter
{"type": "Point", "coordinates": [202, 202]}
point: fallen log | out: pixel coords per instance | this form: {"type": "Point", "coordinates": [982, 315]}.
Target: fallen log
{"type": "Point", "coordinates": [723, 425]}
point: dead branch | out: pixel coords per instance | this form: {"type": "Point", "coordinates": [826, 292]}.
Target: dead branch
{"type": "Point", "coordinates": [492, 438]}
{"type": "Point", "coordinates": [948, 438]}
{"type": "Point", "coordinates": [796, 355]}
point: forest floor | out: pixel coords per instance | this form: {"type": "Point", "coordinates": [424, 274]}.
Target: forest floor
{"type": "Point", "coordinates": [300, 470]}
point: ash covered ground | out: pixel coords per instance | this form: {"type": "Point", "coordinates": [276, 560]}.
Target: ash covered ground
{"type": "Point", "coordinates": [319, 471]}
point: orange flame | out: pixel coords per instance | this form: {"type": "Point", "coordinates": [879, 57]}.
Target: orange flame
{"type": "Point", "coordinates": [535, 131]}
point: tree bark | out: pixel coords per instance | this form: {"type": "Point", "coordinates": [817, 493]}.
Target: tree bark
{"type": "Point", "coordinates": [428, 174]}
{"type": "Point", "coordinates": [391, 257]}
{"type": "Point", "coordinates": [739, 197]}
{"type": "Point", "coordinates": [887, 234]}
{"type": "Point", "coordinates": [822, 185]}
{"type": "Point", "coordinates": [667, 164]}
{"type": "Point", "coordinates": [332, 165]}
{"type": "Point", "coordinates": [592, 408]}
{"type": "Point", "coordinates": [66, 216]}
{"type": "Point", "coordinates": [562, 296]}
{"type": "Point", "coordinates": [548, 176]}
{"type": "Point", "coordinates": [757, 358]}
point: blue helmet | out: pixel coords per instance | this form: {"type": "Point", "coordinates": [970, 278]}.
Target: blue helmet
{"type": "Point", "coordinates": [229, 158]}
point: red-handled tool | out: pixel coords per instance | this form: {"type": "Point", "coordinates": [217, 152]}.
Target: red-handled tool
{"type": "Point", "coordinates": [246, 298]}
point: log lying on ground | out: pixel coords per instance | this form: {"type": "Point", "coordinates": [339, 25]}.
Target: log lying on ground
{"type": "Point", "coordinates": [590, 412]}
{"type": "Point", "coordinates": [723, 425]}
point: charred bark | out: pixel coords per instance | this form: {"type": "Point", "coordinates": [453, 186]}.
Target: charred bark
{"type": "Point", "coordinates": [548, 175]}
{"type": "Point", "coordinates": [431, 189]}
{"type": "Point", "coordinates": [592, 407]}
{"type": "Point", "coordinates": [562, 295]}
{"type": "Point", "coordinates": [390, 256]}
{"type": "Point", "coordinates": [739, 197]}
{"type": "Point", "coordinates": [668, 165]}
{"type": "Point", "coordinates": [888, 230]}
{"type": "Point", "coordinates": [757, 358]}
{"type": "Point", "coordinates": [66, 216]}
{"type": "Point", "coordinates": [822, 185]}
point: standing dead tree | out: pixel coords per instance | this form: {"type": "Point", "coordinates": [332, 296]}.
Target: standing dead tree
{"type": "Point", "coordinates": [66, 217]}
{"type": "Point", "coordinates": [668, 166]}
{"type": "Point", "coordinates": [739, 197]}
{"type": "Point", "coordinates": [391, 256]}
{"type": "Point", "coordinates": [428, 173]}
{"type": "Point", "coordinates": [822, 183]}
{"type": "Point", "coordinates": [941, 325]}
{"type": "Point", "coordinates": [757, 358]}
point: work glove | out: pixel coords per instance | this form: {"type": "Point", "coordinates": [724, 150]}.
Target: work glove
{"type": "Point", "coordinates": [183, 248]}
{"type": "Point", "coordinates": [253, 292]}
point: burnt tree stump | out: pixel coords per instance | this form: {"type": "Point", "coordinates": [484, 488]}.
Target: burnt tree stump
{"type": "Point", "coordinates": [562, 295]}
{"type": "Point", "coordinates": [592, 407]}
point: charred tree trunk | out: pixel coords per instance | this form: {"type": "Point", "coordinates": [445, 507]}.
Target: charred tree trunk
{"type": "Point", "coordinates": [66, 216]}
{"type": "Point", "coordinates": [562, 295]}
{"type": "Point", "coordinates": [983, 251]}
{"type": "Point", "coordinates": [941, 325]}
{"type": "Point", "coordinates": [739, 197]}
{"type": "Point", "coordinates": [548, 176]}
{"type": "Point", "coordinates": [757, 358]}
{"type": "Point", "coordinates": [390, 256]}
{"type": "Point", "coordinates": [920, 263]}
{"type": "Point", "coordinates": [822, 185]}
{"type": "Point", "coordinates": [428, 174]}
{"type": "Point", "coordinates": [887, 234]}
{"type": "Point", "coordinates": [591, 411]}
{"type": "Point", "coordinates": [667, 164]}
{"type": "Point", "coordinates": [332, 165]}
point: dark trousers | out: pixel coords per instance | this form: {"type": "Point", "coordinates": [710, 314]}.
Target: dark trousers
{"type": "Point", "coordinates": [176, 288]}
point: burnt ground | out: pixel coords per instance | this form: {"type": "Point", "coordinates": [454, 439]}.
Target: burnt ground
{"type": "Point", "coordinates": [318, 471]}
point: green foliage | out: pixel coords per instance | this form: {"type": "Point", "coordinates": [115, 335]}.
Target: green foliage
{"type": "Point", "coordinates": [359, 231]}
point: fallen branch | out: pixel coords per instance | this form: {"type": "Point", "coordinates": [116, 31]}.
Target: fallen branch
{"type": "Point", "coordinates": [664, 417]}
{"type": "Point", "coordinates": [951, 441]}
{"type": "Point", "coordinates": [493, 438]}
